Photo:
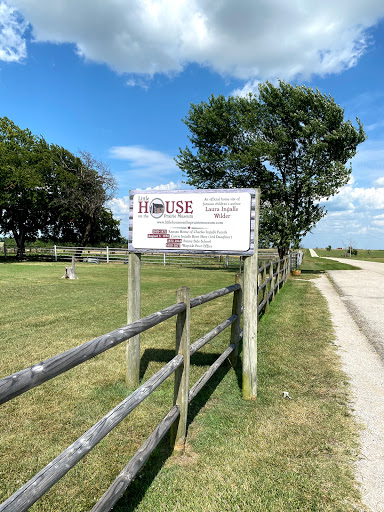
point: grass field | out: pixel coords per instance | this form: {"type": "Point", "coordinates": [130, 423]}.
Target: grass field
{"type": "Point", "coordinates": [362, 254]}
{"type": "Point", "coordinates": [266, 455]}
{"type": "Point", "coordinates": [314, 265]}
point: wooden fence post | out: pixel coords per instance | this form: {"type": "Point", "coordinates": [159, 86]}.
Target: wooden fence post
{"type": "Point", "coordinates": [272, 282]}
{"type": "Point", "coordinates": [286, 268]}
{"type": "Point", "coordinates": [283, 272]}
{"type": "Point", "coordinates": [181, 389]}
{"type": "Point", "coordinates": [266, 293]}
{"type": "Point", "coordinates": [278, 276]}
{"type": "Point", "coordinates": [250, 319]}
{"type": "Point", "coordinates": [250, 314]}
{"type": "Point", "coordinates": [55, 250]}
{"type": "Point", "coordinates": [133, 314]}
{"type": "Point", "coordinates": [236, 326]}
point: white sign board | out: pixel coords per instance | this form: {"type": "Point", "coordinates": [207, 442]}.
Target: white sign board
{"type": "Point", "coordinates": [198, 221]}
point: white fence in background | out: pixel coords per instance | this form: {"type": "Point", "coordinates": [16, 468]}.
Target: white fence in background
{"type": "Point", "coordinates": [121, 255]}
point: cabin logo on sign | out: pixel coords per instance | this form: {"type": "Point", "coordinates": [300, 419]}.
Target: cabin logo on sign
{"type": "Point", "coordinates": [157, 207]}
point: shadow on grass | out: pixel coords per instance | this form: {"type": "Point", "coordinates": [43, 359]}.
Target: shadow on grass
{"type": "Point", "coordinates": [143, 481]}
{"type": "Point", "coordinates": [164, 355]}
{"type": "Point", "coordinates": [213, 267]}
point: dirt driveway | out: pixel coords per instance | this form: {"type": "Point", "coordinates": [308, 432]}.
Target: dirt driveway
{"type": "Point", "coordinates": [363, 293]}
{"type": "Point", "coordinates": [356, 303]}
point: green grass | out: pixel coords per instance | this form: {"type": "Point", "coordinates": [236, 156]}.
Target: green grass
{"type": "Point", "coordinates": [362, 254]}
{"type": "Point", "coordinates": [270, 454]}
{"type": "Point", "coordinates": [321, 265]}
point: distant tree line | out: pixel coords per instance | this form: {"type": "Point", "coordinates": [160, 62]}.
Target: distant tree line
{"type": "Point", "coordinates": [48, 193]}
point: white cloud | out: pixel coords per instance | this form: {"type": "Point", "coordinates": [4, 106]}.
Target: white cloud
{"type": "Point", "coordinates": [354, 213]}
{"type": "Point", "coordinates": [143, 161]}
{"type": "Point", "coordinates": [351, 198]}
{"type": "Point", "coordinates": [119, 206]}
{"type": "Point", "coordinates": [143, 167]}
{"type": "Point", "coordinates": [12, 44]}
{"type": "Point", "coordinates": [379, 182]}
{"type": "Point", "coordinates": [170, 186]}
{"type": "Point", "coordinates": [246, 39]}
{"type": "Point", "coordinates": [138, 82]}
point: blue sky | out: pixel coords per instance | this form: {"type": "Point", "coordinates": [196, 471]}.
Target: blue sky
{"type": "Point", "coordinates": [115, 78]}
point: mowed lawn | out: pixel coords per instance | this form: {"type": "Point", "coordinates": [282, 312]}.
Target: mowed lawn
{"type": "Point", "coordinates": [271, 454]}
{"type": "Point", "coordinates": [362, 254]}
{"type": "Point", "coordinates": [318, 264]}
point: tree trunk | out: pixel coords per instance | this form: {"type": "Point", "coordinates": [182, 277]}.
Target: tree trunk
{"type": "Point", "coordinates": [84, 240]}
{"type": "Point", "coordinates": [21, 253]}
{"type": "Point", "coordinates": [283, 251]}
{"type": "Point", "coordinates": [20, 242]}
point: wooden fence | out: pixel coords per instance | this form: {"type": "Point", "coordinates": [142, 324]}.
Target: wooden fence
{"type": "Point", "coordinates": [271, 277]}
{"type": "Point", "coordinates": [121, 255]}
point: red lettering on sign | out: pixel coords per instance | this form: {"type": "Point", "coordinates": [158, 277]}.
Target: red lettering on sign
{"type": "Point", "coordinates": [145, 204]}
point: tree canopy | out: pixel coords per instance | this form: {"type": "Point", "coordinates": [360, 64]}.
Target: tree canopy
{"type": "Point", "coordinates": [292, 142]}
{"type": "Point", "coordinates": [47, 192]}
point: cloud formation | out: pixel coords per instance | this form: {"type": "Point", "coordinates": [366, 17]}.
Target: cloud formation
{"type": "Point", "coordinates": [351, 198]}
{"type": "Point", "coordinates": [145, 162]}
{"type": "Point", "coordinates": [12, 29]}
{"type": "Point", "coordinates": [246, 39]}
{"type": "Point", "coordinates": [355, 213]}
{"type": "Point", "coordinates": [143, 165]}
{"type": "Point", "coordinates": [379, 182]}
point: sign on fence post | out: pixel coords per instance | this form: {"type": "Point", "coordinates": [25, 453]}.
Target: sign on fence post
{"type": "Point", "coordinates": [217, 222]}
{"type": "Point", "coordinates": [192, 221]}
{"type": "Point", "coordinates": [133, 314]}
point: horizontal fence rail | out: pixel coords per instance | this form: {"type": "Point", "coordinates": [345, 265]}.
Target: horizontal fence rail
{"type": "Point", "coordinates": [35, 375]}
{"type": "Point", "coordinates": [271, 277]}
{"type": "Point", "coordinates": [121, 255]}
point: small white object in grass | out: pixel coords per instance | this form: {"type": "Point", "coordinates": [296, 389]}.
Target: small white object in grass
{"type": "Point", "coordinates": [286, 395]}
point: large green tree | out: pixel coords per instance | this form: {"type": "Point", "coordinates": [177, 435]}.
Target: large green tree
{"type": "Point", "coordinates": [46, 191]}
{"type": "Point", "coordinates": [290, 141]}
{"type": "Point", "coordinates": [82, 188]}
{"type": "Point", "coordinates": [23, 196]}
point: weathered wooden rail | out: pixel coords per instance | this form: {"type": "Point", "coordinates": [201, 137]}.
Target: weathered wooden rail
{"type": "Point", "coordinates": [272, 276]}
{"type": "Point", "coordinates": [176, 419]}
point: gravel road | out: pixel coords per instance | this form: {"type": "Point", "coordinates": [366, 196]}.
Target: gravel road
{"type": "Point", "coordinates": [356, 302]}
{"type": "Point", "coordinates": [363, 293]}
